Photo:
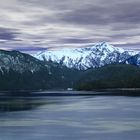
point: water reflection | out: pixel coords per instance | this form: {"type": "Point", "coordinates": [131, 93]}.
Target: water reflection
{"type": "Point", "coordinates": [17, 104]}
{"type": "Point", "coordinates": [19, 101]}
{"type": "Point", "coordinates": [69, 117]}
{"type": "Point", "coordinates": [27, 100]}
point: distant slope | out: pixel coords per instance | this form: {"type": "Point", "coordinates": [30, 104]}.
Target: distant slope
{"type": "Point", "coordinates": [110, 76]}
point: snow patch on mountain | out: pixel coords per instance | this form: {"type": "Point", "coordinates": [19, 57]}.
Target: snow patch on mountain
{"type": "Point", "coordinates": [19, 62]}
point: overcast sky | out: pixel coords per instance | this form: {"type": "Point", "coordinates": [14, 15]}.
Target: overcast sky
{"type": "Point", "coordinates": [32, 25]}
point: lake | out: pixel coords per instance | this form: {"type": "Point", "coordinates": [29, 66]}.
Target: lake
{"type": "Point", "coordinates": [80, 117]}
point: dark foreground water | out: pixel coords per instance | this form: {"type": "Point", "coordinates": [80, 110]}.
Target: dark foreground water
{"type": "Point", "coordinates": [70, 118]}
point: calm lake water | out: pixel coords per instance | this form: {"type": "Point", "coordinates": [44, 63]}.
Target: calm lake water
{"type": "Point", "coordinates": [70, 118]}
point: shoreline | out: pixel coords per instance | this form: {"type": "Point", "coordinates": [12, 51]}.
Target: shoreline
{"type": "Point", "coordinates": [101, 92]}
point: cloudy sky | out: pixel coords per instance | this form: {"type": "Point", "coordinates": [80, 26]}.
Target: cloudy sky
{"type": "Point", "coordinates": [32, 25]}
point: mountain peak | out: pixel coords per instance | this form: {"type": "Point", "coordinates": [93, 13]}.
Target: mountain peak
{"type": "Point", "coordinates": [111, 47]}
{"type": "Point", "coordinates": [105, 45]}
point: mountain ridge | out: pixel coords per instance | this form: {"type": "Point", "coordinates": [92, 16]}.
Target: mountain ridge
{"type": "Point", "coordinates": [88, 57]}
{"type": "Point", "coordinates": [20, 62]}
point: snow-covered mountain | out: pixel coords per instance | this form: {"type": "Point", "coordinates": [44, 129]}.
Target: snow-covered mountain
{"type": "Point", "coordinates": [19, 62]}
{"type": "Point", "coordinates": [89, 57]}
{"type": "Point", "coordinates": [133, 60]}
